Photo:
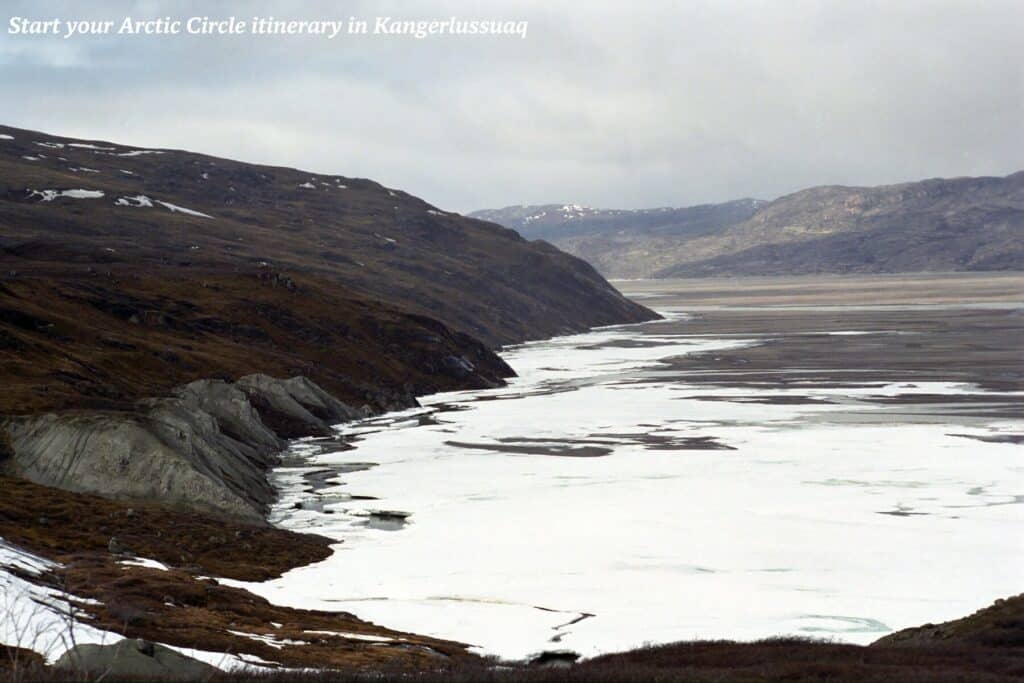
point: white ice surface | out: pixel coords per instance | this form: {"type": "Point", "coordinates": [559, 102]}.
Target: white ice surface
{"type": "Point", "coordinates": [812, 526]}
{"type": "Point", "coordinates": [783, 535]}
{"type": "Point", "coordinates": [4, 136]}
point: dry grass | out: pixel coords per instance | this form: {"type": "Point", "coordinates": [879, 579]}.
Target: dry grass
{"type": "Point", "coordinates": [61, 525]}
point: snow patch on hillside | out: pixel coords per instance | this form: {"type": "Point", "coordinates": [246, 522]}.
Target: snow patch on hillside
{"type": "Point", "coordinates": [50, 195]}
{"type": "Point", "coordinates": [181, 209]}
{"type": "Point", "coordinates": [137, 200]}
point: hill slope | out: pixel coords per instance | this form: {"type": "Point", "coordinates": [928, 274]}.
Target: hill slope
{"type": "Point", "coordinates": [168, 318]}
{"type": "Point", "coordinates": [931, 225]}
{"type": "Point", "coordinates": [621, 243]}
{"type": "Point", "coordinates": [108, 206]}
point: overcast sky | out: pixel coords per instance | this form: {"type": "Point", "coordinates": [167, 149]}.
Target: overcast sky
{"type": "Point", "coordinates": [609, 104]}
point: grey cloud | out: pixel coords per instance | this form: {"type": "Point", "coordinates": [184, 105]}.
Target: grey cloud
{"type": "Point", "coordinates": [607, 104]}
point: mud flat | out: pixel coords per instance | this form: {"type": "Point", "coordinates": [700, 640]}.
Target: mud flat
{"type": "Point", "coordinates": [834, 331]}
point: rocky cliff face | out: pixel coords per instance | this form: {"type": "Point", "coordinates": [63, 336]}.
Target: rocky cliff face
{"type": "Point", "coordinates": [208, 448]}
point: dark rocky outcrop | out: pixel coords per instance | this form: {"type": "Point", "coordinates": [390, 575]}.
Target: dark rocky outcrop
{"type": "Point", "coordinates": [207, 448]}
{"type": "Point", "coordinates": [133, 659]}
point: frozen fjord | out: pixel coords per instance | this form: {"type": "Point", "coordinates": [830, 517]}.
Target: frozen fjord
{"type": "Point", "coordinates": [609, 497]}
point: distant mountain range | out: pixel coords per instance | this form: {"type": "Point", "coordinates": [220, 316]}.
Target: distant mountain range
{"type": "Point", "coordinates": [931, 225]}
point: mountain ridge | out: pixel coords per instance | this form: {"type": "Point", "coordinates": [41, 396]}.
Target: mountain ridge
{"type": "Point", "coordinates": [936, 224]}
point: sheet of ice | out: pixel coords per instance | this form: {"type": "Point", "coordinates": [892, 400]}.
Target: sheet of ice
{"type": "Point", "coordinates": [82, 169]}
{"type": "Point", "coordinates": [50, 145]}
{"type": "Point", "coordinates": [308, 186]}
{"type": "Point", "coordinates": [182, 209]}
{"type": "Point", "coordinates": [85, 145]}
{"type": "Point", "coordinates": [4, 136]}
{"type": "Point", "coordinates": [808, 526]}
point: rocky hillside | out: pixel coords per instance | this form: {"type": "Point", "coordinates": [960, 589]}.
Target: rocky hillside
{"type": "Point", "coordinates": [621, 243]}
{"type": "Point", "coordinates": [167, 318]}
{"type": "Point", "coordinates": [110, 207]}
{"type": "Point", "coordinates": [932, 225]}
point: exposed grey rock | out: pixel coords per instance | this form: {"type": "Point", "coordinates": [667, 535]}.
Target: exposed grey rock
{"type": "Point", "coordinates": [235, 415]}
{"type": "Point", "coordinates": [116, 455]}
{"type": "Point", "coordinates": [207, 448]}
{"type": "Point", "coordinates": [295, 407]}
{"type": "Point", "coordinates": [134, 659]}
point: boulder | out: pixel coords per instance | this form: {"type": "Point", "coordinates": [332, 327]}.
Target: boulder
{"type": "Point", "coordinates": [132, 659]}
